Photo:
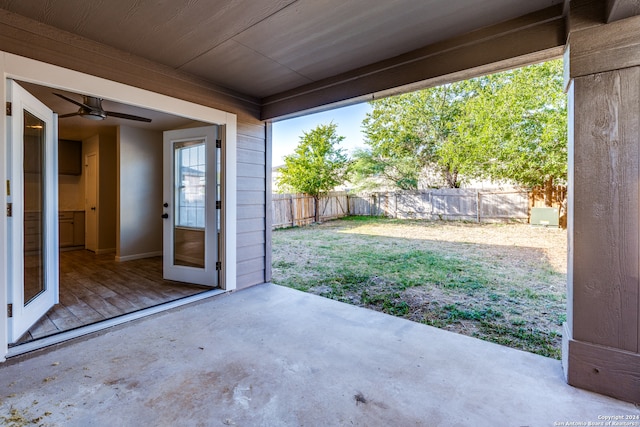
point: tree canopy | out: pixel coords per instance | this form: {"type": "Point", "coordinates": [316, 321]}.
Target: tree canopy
{"type": "Point", "coordinates": [317, 165]}
{"type": "Point", "coordinates": [406, 133]}
{"type": "Point", "coordinates": [506, 126]}
{"type": "Point", "coordinates": [516, 127]}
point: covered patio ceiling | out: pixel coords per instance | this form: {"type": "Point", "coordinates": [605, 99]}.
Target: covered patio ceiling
{"type": "Point", "coordinates": [288, 56]}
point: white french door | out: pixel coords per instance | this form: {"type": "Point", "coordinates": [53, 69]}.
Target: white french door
{"type": "Point", "coordinates": [33, 220]}
{"type": "Point", "coordinates": [191, 219]}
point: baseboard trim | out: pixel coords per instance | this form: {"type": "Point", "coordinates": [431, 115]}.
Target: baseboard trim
{"type": "Point", "coordinates": [605, 370]}
{"type": "Point", "coordinates": [138, 256]}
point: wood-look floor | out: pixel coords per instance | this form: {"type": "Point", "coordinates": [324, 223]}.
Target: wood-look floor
{"type": "Point", "coordinates": [96, 287]}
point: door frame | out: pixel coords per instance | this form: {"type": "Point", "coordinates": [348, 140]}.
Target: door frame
{"type": "Point", "coordinates": [87, 224]}
{"type": "Point", "coordinates": [32, 71]}
{"type": "Point", "coordinates": [207, 274]}
{"type": "Point", "coordinates": [25, 314]}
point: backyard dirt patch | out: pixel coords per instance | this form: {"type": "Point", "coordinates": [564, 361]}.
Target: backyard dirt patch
{"type": "Point", "coordinates": [504, 283]}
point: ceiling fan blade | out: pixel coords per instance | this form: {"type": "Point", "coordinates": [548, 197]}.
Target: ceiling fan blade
{"type": "Point", "coordinates": [67, 115]}
{"type": "Point", "coordinates": [73, 101]}
{"type": "Point", "coordinates": [127, 116]}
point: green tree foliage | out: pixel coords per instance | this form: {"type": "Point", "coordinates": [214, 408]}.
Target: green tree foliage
{"type": "Point", "coordinates": [406, 133]}
{"type": "Point", "coordinates": [515, 127]}
{"type": "Point", "coordinates": [507, 126]}
{"type": "Point", "coordinates": [403, 172]}
{"type": "Point", "coordinates": [317, 165]}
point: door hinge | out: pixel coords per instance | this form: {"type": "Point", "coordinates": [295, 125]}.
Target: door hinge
{"type": "Point", "coordinates": [8, 187]}
{"type": "Point", "coordinates": [218, 204]}
{"type": "Point", "coordinates": [218, 143]}
{"type": "Point", "coordinates": [218, 265]}
{"type": "Point", "coordinates": [8, 108]}
{"type": "Point", "coordinates": [9, 310]}
{"type": "Point", "coordinates": [10, 209]}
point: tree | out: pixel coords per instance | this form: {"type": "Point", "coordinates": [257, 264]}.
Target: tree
{"type": "Point", "coordinates": [506, 126]}
{"type": "Point", "coordinates": [316, 166]}
{"type": "Point", "coordinates": [515, 128]}
{"type": "Point", "coordinates": [406, 133]}
{"type": "Point", "coordinates": [403, 173]}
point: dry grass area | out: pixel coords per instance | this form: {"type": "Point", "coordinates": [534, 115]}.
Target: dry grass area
{"type": "Point", "coordinates": [504, 283]}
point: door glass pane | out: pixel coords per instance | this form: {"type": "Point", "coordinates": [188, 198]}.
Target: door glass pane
{"type": "Point", "coordinates": [189, 194]}
{"type": "Point", "coordinates": [34, 145]}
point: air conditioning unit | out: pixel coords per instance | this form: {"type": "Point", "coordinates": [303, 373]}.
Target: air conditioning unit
{"type": "Point", "coordinates": [546, 217]}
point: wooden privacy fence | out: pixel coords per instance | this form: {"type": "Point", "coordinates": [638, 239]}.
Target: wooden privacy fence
{"type": "Point", "coordinates": [290, 210]}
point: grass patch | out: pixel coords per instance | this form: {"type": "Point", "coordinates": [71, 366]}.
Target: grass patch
{"type": "Point", "coordinates": [442, 274]}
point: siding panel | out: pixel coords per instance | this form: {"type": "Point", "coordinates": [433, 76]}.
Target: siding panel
{"type": "Point", "coordinates": [250, 252]}
{"type": "Point", "coordinates": [248, 225]}
{"type": "Point", "coordinates": [250, 183]}
{"type": "Point", "coordinates": [251, 157]}
{"type": "Point", "coordinates": [248, 143]}
{"type": "Point", "coordinates": [251, 198]}
{"type": "Point", "coordinates": [250, 239]}
{"type": "Point", "coordinates": [251, 279]}
{"type": "Point", "coordinates": [251, 186]}
{"type": "Point", "coordinates": [249, 211]}
{"type": "Point", "coordinates": [252, 171]}
{"type": "Point", "coordinates": [252, 266]}
{"type": "Point", "coordinates": [254, 130]}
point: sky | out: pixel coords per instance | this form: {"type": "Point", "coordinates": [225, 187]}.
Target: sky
{"type": "Point", "coordinates": [286, 133]}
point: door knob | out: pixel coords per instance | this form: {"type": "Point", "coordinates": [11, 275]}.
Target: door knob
{"type": "Point", "coordinates": [166, 205]}
{"type": "Point", "coordinates": [165, 216]}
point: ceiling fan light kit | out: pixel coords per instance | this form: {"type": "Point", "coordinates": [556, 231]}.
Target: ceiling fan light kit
{"type": "Point", "coordinates": [91, 109]}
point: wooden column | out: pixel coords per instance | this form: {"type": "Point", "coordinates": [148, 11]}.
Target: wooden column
{"type": "Point", "coordinates": [601, 349]}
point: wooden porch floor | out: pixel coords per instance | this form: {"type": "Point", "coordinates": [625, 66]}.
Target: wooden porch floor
{"type": "Point", "coordinates": [96, 287]}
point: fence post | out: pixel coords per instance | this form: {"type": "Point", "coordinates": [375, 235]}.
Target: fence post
{"type": "Point", "coordinates": [478, 206]}
{"type": "Point", "coordinates": [292, 203]}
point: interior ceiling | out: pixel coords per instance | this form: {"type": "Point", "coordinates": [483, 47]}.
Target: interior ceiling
{"type": "Point", "coordinates": [77, 128]}
{"type": "Point", "coordinates": [262, 48]}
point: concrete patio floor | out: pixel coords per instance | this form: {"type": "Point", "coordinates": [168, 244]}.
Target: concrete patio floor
{"type": "Point", "coordinates": [273, 356]}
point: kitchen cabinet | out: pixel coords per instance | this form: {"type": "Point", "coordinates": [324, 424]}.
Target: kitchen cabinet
{"type": "Point", "coordinates": [69, 157]}
{"type": "Point", "coordinates": [71, 228]}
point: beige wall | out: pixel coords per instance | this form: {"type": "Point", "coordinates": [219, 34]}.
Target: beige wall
{"type": "Point", "coordinates": [139, 193]}
{"type": "Point", "coordinates": [71, 192]}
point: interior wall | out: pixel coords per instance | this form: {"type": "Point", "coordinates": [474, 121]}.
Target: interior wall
{"type": "Point", "coordinates": [71, 192]}
{"type": "Point", "coordinates": [139, 228]}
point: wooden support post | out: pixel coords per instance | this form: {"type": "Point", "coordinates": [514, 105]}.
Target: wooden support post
{"type": "Point", "coordinates": [601, 341]}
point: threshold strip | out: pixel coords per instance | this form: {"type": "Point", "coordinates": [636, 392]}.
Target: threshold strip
{"type": "Point", "coordinates": [108, 323]}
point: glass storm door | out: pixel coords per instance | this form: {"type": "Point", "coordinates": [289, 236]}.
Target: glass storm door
{"type": "Point", "coordinates": [190, 229]}
{"type": "Point", "coordinates": [33, 221]}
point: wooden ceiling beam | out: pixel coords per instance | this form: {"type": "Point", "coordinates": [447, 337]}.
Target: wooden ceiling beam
{"type": "Point", "coordinates": [518, 42]}
{"type": "Point", "coordinates": [621, 9]}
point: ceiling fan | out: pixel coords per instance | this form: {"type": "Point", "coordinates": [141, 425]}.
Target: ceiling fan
{"type": "Point", "coordinates": [91, 108]}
